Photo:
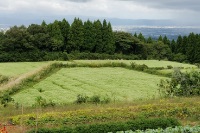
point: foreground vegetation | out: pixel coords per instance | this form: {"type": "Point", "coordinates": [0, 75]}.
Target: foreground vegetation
{"type": "Point", "coordinates": [63, 94]}
{"type": "Point", "coordinates": [185, 110]}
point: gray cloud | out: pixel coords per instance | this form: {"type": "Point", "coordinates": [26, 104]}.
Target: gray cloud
{"type": "Point", "coordinates": [182, 10]}
{"type": "Point", "coordinates": [192, 5]}
{"type": "Point", "coordinates": [79, 1]}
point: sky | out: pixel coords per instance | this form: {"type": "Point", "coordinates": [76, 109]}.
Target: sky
{"type": "Point", "coordinates": [19, 11]}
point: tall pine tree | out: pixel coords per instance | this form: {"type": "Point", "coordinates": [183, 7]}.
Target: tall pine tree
{"type": "Point", "coordinates": [76, 36]}
{"type": "Point", "coordinates": [57, 40]}
{"type": "Point", "coordinates": [65, 27]}
{"type": "Point", "coordinates": [89, 37]}
{"type": "Point", "coordinates": [108, 38]}
{"type": "Point", "coordinates": [98, 36]}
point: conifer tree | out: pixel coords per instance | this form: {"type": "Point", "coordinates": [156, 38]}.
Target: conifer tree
{"type": "Point", "coordinates": [160, 38]}
{"type": "Point", "coordinates": [149, 40]}
{"type": "Point", "coordinates": [166, 40]}
{"type": "Point", "coordinates": [57, 40]}
{"type": "Point", "coordinates": [64, 27]}
{"type": "Point", "coordinates": [141, 37]}
{"type": "Point", "coordinates": [108, 38]}
{"type": "Point", "coordinates": [179, 44]}
{"type": "Point", "coordinates": [76, 36]}
{"type": "Point", "coordinates": [89, 37]}
{"type": "Point", "coordinates": [98, 36]}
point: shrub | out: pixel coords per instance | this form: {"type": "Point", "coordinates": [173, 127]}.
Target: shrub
{"type": "Point", "coordinates": [81, 99]}
{"type": "Point", "coordinates": [95, 99]}
{"type": "Point", "coordinates": [5, 99]}
{"type": "Point", "coordinates": [138, 67]}
{"type": "Point", "coordinates": [140, 124]}
{"type": "Point", "coordinates": [181, 84]}
{"type": "Point", "coordinates": [169, 67]}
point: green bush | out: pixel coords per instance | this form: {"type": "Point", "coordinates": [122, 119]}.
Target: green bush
{"type": "Point", "coordinates": [181, 84]}
{"type": "Point", "coordinates": [169, 67]}
{"type": "Point", "coordinates": [139, 67]}
{"type": "Point", "coordinates": [140, 124]}
{"type": "Point", "coordinates": [5, 98]}
{"type": "Point", "coordinates": [81, 99]}
{"type": "Point", "coordinates": [95, 99]}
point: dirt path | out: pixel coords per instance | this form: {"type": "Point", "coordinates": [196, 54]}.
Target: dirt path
{"type": "Point", "coordinates": [16, 81]}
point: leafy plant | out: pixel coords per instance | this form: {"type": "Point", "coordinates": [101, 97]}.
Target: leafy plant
{"type": "Point", "coordinates": [81, 99]}
{"type": "Point", "coordinates": [181, 84]}
{"type": "Point", "coordinates": [95, 99]}
{"type": "Point", "coordinates": [5, 99]}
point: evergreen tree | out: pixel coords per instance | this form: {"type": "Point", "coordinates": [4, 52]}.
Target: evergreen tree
{"type": "Point", "coordinates": [173, 46]}
{"type": "Point", "coordinates": [141, 37]}
{"type": "Point", "coordinates": [108, 38]}
{"type": "Point", "coordinates": [57, 40]}
{"type": "Point", "coordinates": [2, 37]}
{"type": "Point", "coordinates": [149, 40]}
{"type": "Point", "coordinates": [76, 36]}
{"type": "Point", "coordinates": [135, 35]}
{"type": "Point", "coordinates": [89, 37]}
{"type": "Point", "coordinates": [43, 24]}
{"type": "Point", "coordinates": [160, 38]}
{"type": "Point", "coordinates": [65, 27]}
{"type": "Point", "coordinates": [193, 48]}
{"type": "Point", "coordinates": [179, 45]}
{"type": "Point", "coordinates": [98, 36]}
{"type": "Point", "coordinates": [166, 40]}
{"type": "Point", "coordinates": [184, 45]}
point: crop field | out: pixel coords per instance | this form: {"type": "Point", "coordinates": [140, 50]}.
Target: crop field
{"type": "Point", "coordinates": [149, 63]}
{"type": "Point", "coordinates": [116, 83]}
{"type": "Point", "coordinates": [133, 93]}
{"type": "Point", "coordinates": [16, 69]}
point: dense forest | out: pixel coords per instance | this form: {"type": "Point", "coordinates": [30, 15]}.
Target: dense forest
{"type": "Point", "coordinates": [91, 40]}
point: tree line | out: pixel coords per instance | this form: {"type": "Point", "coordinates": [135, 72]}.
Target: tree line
{"type": "Point", "coordinates": [59, 40]}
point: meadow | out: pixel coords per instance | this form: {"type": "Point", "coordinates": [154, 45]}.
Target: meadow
{"type": "Point", "coordinates": [133, 93]}
{"type": "Point", "coordinates": [119, 84]}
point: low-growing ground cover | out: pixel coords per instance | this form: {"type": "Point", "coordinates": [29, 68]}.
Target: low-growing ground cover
{"type": "Point", "coordinates": [119, 84]}
{"type": "Point", "coordinates": [186, 110]}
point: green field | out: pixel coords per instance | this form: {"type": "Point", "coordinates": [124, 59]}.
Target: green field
{"type": "Point", "coordinates": [18, 68]}
{"type": "Point", "coordinates": [116, 83]}
{"type": "Point", "coordinates": [133, 93]}
{"type": "Point", "coordinates": [149, 63]}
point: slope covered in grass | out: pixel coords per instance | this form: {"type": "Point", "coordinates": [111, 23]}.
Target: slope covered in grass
{"type": "Point", "coordinates": [149, 63]}
{"type": "Point", "coordinates": [116, 83]}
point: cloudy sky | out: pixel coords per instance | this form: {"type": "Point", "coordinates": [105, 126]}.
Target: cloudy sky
{"type": "Point", "coordinates": [15, 11]}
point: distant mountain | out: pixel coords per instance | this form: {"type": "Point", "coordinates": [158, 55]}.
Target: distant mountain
{"type": "Point", "coordinates": [10, 21]}
{"type": "Point", "coordinates": [141, 22]}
